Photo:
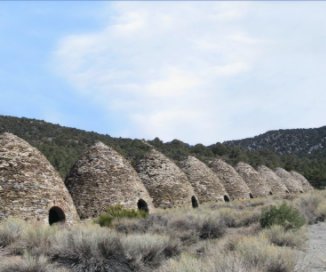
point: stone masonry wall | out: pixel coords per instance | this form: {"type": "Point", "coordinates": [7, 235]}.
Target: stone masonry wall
{"type": "Point", "coordinates": [102, 178]}
{"type": "Point", "coordinates": [293, 185]}
{"type": "Point", "coordinates": [232, 181]}
{"type": "Point", "coordinates": [254, 180]}
{"type": "Point", "coordinates": [166, 183]}
{"type": "Point", "coordinates": [29, 185]}
{"type": "Point", "coordinates": [278, 187]}
{"type": "Point", "coordinates": [205, 182]}
{"type": "Point", "coordinates": [304, 182]}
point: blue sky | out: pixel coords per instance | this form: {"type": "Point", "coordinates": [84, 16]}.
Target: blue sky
{"type": "Point", "coordinates": [195, 71]}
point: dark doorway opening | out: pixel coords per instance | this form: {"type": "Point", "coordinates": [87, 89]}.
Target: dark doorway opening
{"type": "Point", "coordinates": [270, 193]}
{"type": "Point", "coordinates": [194, 202]}
{"type": "Point", "coordinates": [226, 198]}
{"type": "Point", "coordinates": [142, 205]}
{"type": "Point", "coordinates": [287, 192]}
{"type": "Point", "coordinates": [56, 215]}
{"type": "Point", "coordinates": [301, 191]}
{"type": "Point", "coordinates": [251, 196]}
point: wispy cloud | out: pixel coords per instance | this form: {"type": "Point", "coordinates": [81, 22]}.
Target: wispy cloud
{"type": "Point", "coordinates": [162, 65]}
{"type": "Point", "coordinates": [198, 71]}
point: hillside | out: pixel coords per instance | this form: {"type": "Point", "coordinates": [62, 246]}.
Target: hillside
{"type": "Point", "coordinates": [63, 146]}
{"type": "Point", "coordinates": [290, 141]}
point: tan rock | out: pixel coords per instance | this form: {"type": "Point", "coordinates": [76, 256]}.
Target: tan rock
{"type": "Point", "coordinates": [232, 181]}
{"type": "Point", "coordinates": [275, 182]}
{"type": "Point", "coordinates": [293, 185]}
{"type": "Point", "coordinates": [304, 182]}
{"type": "Point", "coordinates": [166, 183]}
{"type": "Point", "coordinates": [102, 178]}
{"type": "Point", "coordinates": [31, 188]}
{"type": "Point", "coordinates": [205, 182]}
{"type": "Point", "coordinates": [254, 180]}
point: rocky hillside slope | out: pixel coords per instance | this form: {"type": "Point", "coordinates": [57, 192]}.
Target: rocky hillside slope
{"type": "Point", "coordinates": [290, 141]}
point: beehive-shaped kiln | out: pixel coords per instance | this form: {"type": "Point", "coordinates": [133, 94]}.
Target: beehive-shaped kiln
{"type": "Point", "coordinates": [254, 180]}
{"type": "Point", "coordinates": [278, 187]}
{"type": "Point", "coordinates": [304, 182]}
{"type": "Point", "coordinates": [205, 182]}
{"type": "Point", "coordinates": [30, 188]}
{"type": "Point", "coordinates": [232, 181]}
{"type": "Point", "coordinates": [293, 185]}
{"type": "Point", "coordinates": [166, 183]}
{"type": "Point", "coordinates": [102, 178]}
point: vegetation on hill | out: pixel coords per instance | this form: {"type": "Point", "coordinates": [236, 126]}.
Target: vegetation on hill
{"type": "Point", "coordinates": [63, 146]}
{"type": "Point", "coordinates": [301, 149]}
{"type": "Point", "coordinates": [289, 141]}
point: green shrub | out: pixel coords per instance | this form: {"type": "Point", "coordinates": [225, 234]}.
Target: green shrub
{"type": "Point", "coordinates": [283, 215]}
{"type": "Point", "coordinates": [116, 212]}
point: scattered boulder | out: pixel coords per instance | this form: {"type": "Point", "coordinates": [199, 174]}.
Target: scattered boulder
{"type": "Point", "coordinates": [274, 181]}
{"type": "Point", "coordinates": [293, 185]}
{"type": "Point", "coordinates": [205, 182]}
{"type": "Point", "coordinates": [31, 189]}
{"type": "Point", "coordinates": [232, 181]}
{"type": "Point", "coordinates": [166, 183]}
{"type": "Point", "coordinates": [103, 178]}
{"type": "Point", "coordinates": [254, 180]}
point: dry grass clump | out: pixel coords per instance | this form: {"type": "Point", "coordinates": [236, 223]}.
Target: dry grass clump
{"type": "Point", "coordinates": [93, 248]}
{"type": "Point", "coordinates": [239, 204]}
{"type": "Point", "coordinates": [188, 227]}
{"type": "Point", "coordinates": [277, 235]}
{"type": "Point", "coordinates": [82, 248]}
{"type": "Point", "coordinates": [89, 248]}
{"type": "Point", "coordinates": [149, 251]}
{"type": "Point", "coordinates": [197, 226]}
{"type": "Point", "coordinates": [35, 239]}
{"type": "Point", "coordinates": [241, 213]}
{"type": "Point", "coordinates": [11, 230]}
{"type": "Point", "coordinates": [216, 262]}
{"type": "Point", "coordinates": [248, 254]}
{"type": "Point", "coordinates": [238, 218]}
{"type": "Point", "coordinates": [29, 263]}
{"type": "Point", "coordinates": [259, 253]}
{"type": "Point", "coordinates": [321, 211]}
{"type": "Point", "coordinates": [313, 206]}
{"type": "Point", "coordinates": [19, 236]}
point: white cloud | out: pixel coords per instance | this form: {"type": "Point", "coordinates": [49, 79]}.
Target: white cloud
{"type": "Point", "coordinates": [163, 66]}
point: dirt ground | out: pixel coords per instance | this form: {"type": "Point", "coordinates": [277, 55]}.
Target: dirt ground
{"type": "Point", "coordinates": [314, 258]}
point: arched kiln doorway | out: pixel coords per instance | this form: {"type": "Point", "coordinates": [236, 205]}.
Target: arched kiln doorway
{"type": "Point", "coordinates": [56, 215]}
{"type": "Point", "coordinates": [142, 205]}
{"type": "Point", "coordinates": [194, 202]}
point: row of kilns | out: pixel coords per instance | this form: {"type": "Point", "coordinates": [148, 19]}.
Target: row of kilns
{"type": "Point", "coordinates": [30, 188]}
{"type": "Point", "coordinates": [102, 177]}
